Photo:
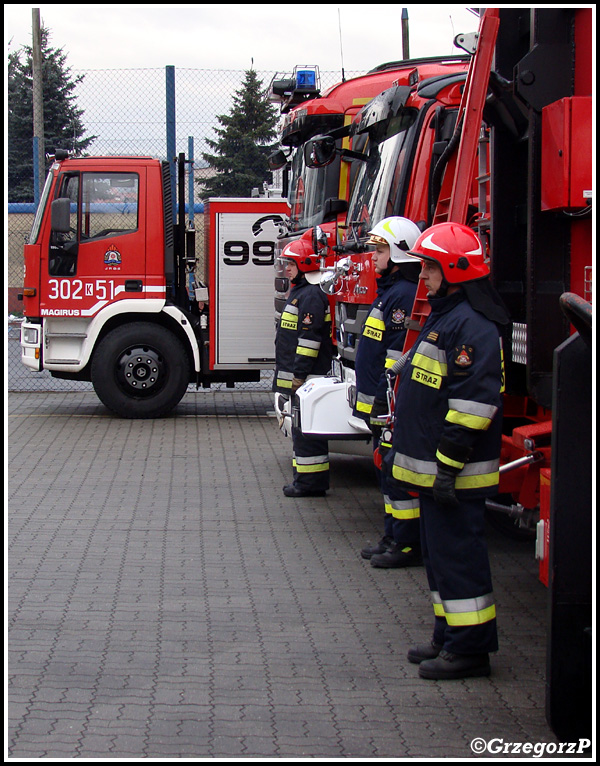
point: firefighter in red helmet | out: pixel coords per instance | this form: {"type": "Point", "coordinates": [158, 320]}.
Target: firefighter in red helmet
{"type": "Point", "coordinates": [446, 446]}
{"type": "Point", "coordinates": [304, 349]}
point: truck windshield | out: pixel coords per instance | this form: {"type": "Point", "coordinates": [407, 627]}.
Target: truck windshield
{"type": "Point", "coordinates": [39, 213]}
{"type": "Point", "coordinates": [310, 188]}
{"type": "Point", "coordinates": [380, 181]}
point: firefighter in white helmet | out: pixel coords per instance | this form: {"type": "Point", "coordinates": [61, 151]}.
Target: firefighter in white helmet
{"type": "Point", "coordinates": [379, 347]}
{"type": "Point", "coordinates": [304, 349]}
{"type": "Point", "coordinates": [446, 446]}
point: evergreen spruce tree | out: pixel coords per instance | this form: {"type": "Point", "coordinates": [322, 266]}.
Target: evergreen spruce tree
{"type": "Point", "coordinates": [244, 143]}
{"type": "Point", "coordinates": [63, 126]}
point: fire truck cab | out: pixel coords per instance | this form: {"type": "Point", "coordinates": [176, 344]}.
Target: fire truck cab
{"type": "Point", "coordinates": [111, 294]}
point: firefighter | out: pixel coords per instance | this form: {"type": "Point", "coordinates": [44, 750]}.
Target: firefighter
{"type": "Point", "coordinates": [446, 445]}
{"type": "Point", "coordinates": [304, 349]}
{"type": "Point", "coordinates": [381, 345]}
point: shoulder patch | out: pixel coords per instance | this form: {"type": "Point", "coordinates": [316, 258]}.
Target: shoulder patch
{"type": "Point", "coordinates": [463, 356]}
{"type": "Point", "coordinates": [398, 316]}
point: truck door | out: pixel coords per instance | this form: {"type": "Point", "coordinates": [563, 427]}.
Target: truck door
{"type": "Point", "coordinates": [96, 250]}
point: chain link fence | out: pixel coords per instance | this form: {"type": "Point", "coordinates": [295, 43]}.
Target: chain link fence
{"type": "Point", "coordinates": [126, 110]}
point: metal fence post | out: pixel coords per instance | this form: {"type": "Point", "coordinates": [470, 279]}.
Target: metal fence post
{"type": "Point", "coordinates": [171, 137]}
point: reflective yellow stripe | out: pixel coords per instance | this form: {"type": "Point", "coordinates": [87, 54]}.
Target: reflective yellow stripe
{"type": "Point", "coordinates": [374, 328]}
{"type": "Point", "coordinates": [430, 364]}
{"type": "Point", "coordinates": [475, 481]}
{"type": "Point", "coordinates": [403, 509]}
{"type": "Point", "coordinates": [466, 611]}
{"type": "Point", "coordinates": [289, 321]}
{"type": "Point", "coordinates": [303, 351]}
{"type": "Point", "coordinates": [313, 464]}
{"type": "Point", "coordinates": [313, 468]}
{"type": "Point", "coordinates": [372, 321]}
{"type": "Point", "coordinates": [453, 463]}
{"type": "Point", "coordinates": [412, 477]}
{"type": "Point", "coordinates": [422, 473]}
{"type": "Point", "coordinates": [471, 618]}
{"type": "Point", "coordinates": [283, 383]}
{"type": "Point", "coordinates": [471, 414]}
{"type": "Point", "coordinates": [364, 407]}
{"type": "Point", "coordinates": [438, 607]}
{"type": "Point", "coordinates": [475, 422]}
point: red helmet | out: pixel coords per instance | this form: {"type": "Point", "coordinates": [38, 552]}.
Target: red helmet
{"type": "Point", "coordinates": [302, 253]}
{"type": "Point", "coordinates": [456, 249]}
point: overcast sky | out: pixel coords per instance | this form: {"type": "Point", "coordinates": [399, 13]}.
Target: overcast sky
{"type": "Point", "coordinates": [275, 36]}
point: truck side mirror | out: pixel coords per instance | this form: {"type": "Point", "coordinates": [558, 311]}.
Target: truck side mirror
{"type": "Point", "coordinates": [332, 207]}
{"type": "Point", "coordinates": [60, 215]}
{"type": "Point", "coordinates": [319, 151]}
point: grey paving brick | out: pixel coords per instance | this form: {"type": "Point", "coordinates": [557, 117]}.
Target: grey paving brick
{"type": "Point", "coordinates": [166, 601]}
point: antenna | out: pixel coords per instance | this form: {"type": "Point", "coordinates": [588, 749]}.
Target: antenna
{"type": "Point", "coordinates": [341, 46]}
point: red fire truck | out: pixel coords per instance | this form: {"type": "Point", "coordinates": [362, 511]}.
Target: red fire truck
{"type": "Point", "coordinates": [319, 195]}
{"type": "Point", "coordinates": [110, 291]}
{"type": "Point", "coordinates": [524, 133]}
{"type": "Point", "coordinates": [335, 143]}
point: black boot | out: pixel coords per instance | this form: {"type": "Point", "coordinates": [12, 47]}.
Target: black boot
{"type": "Point", "coordinates": [398, 555]}
{"type": "Point", "coordinates": [447, 666]}
{"type": "Point", "coordinates": [382, 546]}
{"type": "Point", "coordinates": [423, 652]}
{"type": "Point", "coordinates": [291, 490]}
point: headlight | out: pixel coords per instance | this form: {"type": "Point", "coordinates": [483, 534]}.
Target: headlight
{"type": "Point", "coordinates": [30, 335]}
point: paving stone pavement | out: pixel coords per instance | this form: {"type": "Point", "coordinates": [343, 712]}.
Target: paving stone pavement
{"type": "Point", "coordinates": [167, 601]}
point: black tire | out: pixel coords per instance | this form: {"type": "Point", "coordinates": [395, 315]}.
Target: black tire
{"type": "Point", "coordinates": [140, 370]}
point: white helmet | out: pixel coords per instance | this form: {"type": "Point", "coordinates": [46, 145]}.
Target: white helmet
{"type": "Point", "coordinates": [399, 233]}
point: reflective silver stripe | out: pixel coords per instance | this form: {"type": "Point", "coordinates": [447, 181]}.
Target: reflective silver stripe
{"type": "Point", "coordinates": [308, 347]}
{"type": "Point", "coordinates": [430, 358]}
{"type": "Point", "coordinates": [392, 357]}
{"type": "Point", "coordinates": [313, 464]}
{"type": "Point", "coordinates": [313, 460]}
{"type": "Point", "coordinates": [376, 314]}
{"type": "Point", "coordinates": [464, 611]}
{"type": "Point", "coordinates": [364, 402]}
{"type": "Point", "coordinates": [415, 465]}
{"type": "Point", "coordinates": [468, 604]}
{"type": "Point", "coordinates": [403, 509]}
{"type": "Point", "coordinates": [485, 466]}
{"type": "Point", "coordinates": [438, 607]}
{"type": "Point", "coordinates": [474, 415]}
{"type": "Point", "coordinates": [470, 611]}
{"type": "Point", "coordinates": [422, 473]}
{"type": "Point", "coordinates": [290, 309]}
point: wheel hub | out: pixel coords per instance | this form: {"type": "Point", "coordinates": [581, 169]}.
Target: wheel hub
{"type": "Point", "coordinates": [141, 370]}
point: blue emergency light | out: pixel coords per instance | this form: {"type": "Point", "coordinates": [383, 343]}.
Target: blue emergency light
{"type": "Point", "coordinates": [306, 79]}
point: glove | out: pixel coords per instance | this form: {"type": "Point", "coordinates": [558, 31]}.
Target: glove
{"type": "Point", "coordinates": [444, 486]}
{"type": "Point", "coordinates": [296, 383]}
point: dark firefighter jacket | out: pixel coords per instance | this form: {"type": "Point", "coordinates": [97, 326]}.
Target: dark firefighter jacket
{"type": "Point", "coordinates": [303, 343]}
{"type": "Point", "coordinates": [382, 339]}
{"type": "Point", "coordinates": [449, 402]}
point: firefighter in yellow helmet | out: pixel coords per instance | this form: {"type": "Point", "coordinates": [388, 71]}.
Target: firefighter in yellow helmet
{"type": "Point", "coordinates": [380, 346]}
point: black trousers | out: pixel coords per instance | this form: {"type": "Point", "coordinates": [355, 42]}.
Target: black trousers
{"type": "Point", "coordinates": [458, 570]}
{"type": "Point", "coordinates": [310, 462]}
